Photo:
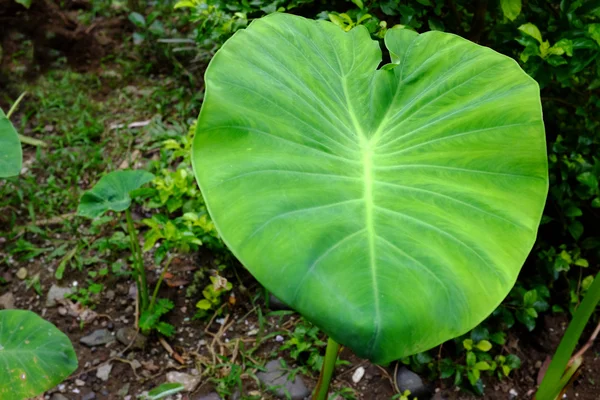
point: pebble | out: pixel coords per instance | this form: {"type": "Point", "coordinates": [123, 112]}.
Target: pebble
{"type": "Point", "coordinates": [124, 390]}
{"type": "Point", "coordinates": [89, 396]}
{"type": "Point", "coordinates": [97, 338]}
{"type": "Point", "coordinates": [22, 273]}
{"type": "Point", "coordinates": [188, 381]}
{"type": "Point", "coordinates": [408, 380]}
{"type": "Point", "coordinates": [7, 301]}
{"type": "Point", "coordinates": [279, 338]}
{"type": "Point", "coordinates": [55, 294]}
{"type": "Point", "coordinates": [513, 393]}
{"type": "Point", "coordinates": [110, 294]}
{"type": "Point", "coordinates": [79, 382]}
{"type": "Point", "coordinates": [358, 374]}
{"type": "Point", "coordinates": [58, 396]}
{"type": "Point", "coordinates": [276, 378]}
{"type": "Point", "coordinates": [62, 311]}
{"type": "Point", "coordinates": [103, 372]}
{"type": "Point", "coordinates": [126, 334]}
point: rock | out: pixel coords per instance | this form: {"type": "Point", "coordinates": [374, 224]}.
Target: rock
{"type": "Point", "coordinates": [97, 338]}
{"type": "Point", "coordinates": [358, 374]}
{"type": "Point", "coordinates": [408, 380]}
{"type": "Point", "coordinates": [79, 382]}
{"type": "Point", "coordinates": [22, 273]}
{"type": "Point", "coordinates": [58, 396]}
{"type": "Point", "coordinates": [124, 390]}
{"type": "Point", "coordinates": [110, 294]}
{"type": "Point", "coordinates": [62, 311]}
{"type": "Point", "coordinates": [275, 304]}
{"type": "Point", "coordinates": [129, 310]}
{"type": "Point", "coordinates": [89, 396]}
{"type": "Point", "coordinates": [103, 372]}
{"type": "Point", "coordinates": [210, 396]}
{"type": "Point", "coordinates": [276, 378]}
{"type": "Point", "coordinates": [188, 381]}
{"type": "Point", "coordinates": [7, 301]}
{"type": "Point", "coordinates": [126, 334]}
{"type": "Point", "coordinates": [55, 294]}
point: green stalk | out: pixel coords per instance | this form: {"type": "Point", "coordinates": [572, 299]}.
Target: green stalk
{"type": "Point", "coordinates": [15, 105]}
{"type": "Point", "coordinates": [331, 355]}
{"type": "Point", "coordinates": [160, 279]}
{"type": "Point", "coordinates": [137, 257]}
{"type": "Point", "coordinates": [553, 383]}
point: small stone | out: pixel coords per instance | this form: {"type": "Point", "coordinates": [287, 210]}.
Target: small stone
{"type": "Point", "coordinates": [358, 374]}
{"type": "Point", "coordinates": [79, 382]}
{"type": "Point", "coordinates": [58, 396]}
{"type": "Point", "coordinates": [408, 380]}
{"type": "Point", "coordinates": [62, 311]}
{"type": "Point", "coordinates": [126, 334]}
{"type": "Point", "coordinates": [97, 338]}
{"type": "Point", "coordinates": [188, 381]}
{"type": "Point", "coordinates": [132, 293]}
{"type": "Point", "coordinates": [7, 301]}
{"type": "Point", "coordinates": [110, 294]}
{"type": "Point", "coordinates": [22, 273]}
{"type": "Point", "coordinates": [129, 310]}
{"type": "Point", "coordinates": [55, 294]}
{"type": "Point", "coordinates": [89, 396]}
{"type": "Point", "coordinates": [277, 380]}
{"type": "Point", "coordinates": [279, 338]}
{"type": "Point", "coordinates": [124, 390]}
{"type": "Point", "coordinates": [513, 393]}
{"type": "Point", "coordinates": [135, 364]}
{"type": "Point", "coordinates": [103, 372]}
{"type": "Point", "coordinates": [276, 305]}
{"type": "Point", "coordinates": [210, 396]}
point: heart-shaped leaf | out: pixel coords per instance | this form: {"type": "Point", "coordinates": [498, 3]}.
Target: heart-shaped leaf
{"type": "Point", "coordinates": [112, 192]}
{"type": "Point", "coordinates": [34, 355]}
{"type": "Point", "coordinates": [11, 155]}
{"type": "Point", "coordinates": [393, 207]}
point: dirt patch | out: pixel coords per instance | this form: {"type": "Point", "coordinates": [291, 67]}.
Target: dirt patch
{"type": "Point", "coordinates": [36, 37]}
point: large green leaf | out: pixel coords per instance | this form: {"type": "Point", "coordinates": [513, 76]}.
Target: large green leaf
{"type": "Point", "coordinates": [34, 355]}
{"type": "Point", "coordinates": [11, 155]}
{"type": "Point", "coordinates": [112, 192]}
{"type": "Point", "coordinates": [393, 207]}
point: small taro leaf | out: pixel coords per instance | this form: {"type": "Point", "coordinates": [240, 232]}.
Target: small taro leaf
{"type": "Point", "coordinates": [164, 390]}
{"type": "Point", "coordinates": [34, 355]}
{"type": "Point", "coordinates": [511, 8]}
{"type": "Point", "coordinates": [112, 192]}
{"type": "Point", "coordinates": [380, 204]}
{"type": "Point", "coordinates": [11, 155]}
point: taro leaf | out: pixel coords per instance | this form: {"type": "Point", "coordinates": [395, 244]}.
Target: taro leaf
{"type": "Point", "coordinates": [34, 355]}
{"type": "Point", "coordinates": [112, 192]}
{"type": "Point", "coordinates": [395, 207]}
{"type": "Point", "coordinates": [11, 155]}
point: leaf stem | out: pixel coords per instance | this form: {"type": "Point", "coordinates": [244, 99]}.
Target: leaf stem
{"type": "Point", "coordinates": [160, 279]}
{"type": "Point", "coordinates": [139, 263]}
{"type": "Point", "coordinates": [15, 105]}
{"type": "Point", "coordinates": [553, 383]}
{"type": "Point", "coordinates": [331, 355]}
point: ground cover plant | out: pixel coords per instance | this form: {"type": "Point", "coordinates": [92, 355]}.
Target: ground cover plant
{"type": "Point", "coordinates": [118, 85]}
